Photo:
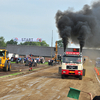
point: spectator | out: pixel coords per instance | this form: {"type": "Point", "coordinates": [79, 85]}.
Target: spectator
{"type": "Point", "coordinates": [24, 59]}
{"type": "Point", "coordinates": [37, 60]}
{"type": "Point", "coordinates": [19, 59]}
{"type": "Point", "coordinates": [51, 62]}
{"type": "Point", "coordinates": [60, 57]}
{"type": "Point", "coordinates": [33, 59]}
{"type": "Point", "coordinates": [84, 61]}
{"type": "Point", "coordinates": [30, 64]}
{"type": "Point", "coordinates": [95, 98]}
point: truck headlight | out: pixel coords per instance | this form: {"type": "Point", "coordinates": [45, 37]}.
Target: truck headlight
{"type": "Point", "coordinates": [64, 71]}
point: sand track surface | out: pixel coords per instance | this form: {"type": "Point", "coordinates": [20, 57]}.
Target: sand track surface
{"type": "Point", "coordinates": [46, 84]}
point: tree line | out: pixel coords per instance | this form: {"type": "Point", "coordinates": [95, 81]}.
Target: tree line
{"type": "Point", "coordinates": [43, 43]}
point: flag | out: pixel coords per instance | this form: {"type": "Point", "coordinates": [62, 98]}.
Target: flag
{"type": "Point", "coordinates": [73, 93]}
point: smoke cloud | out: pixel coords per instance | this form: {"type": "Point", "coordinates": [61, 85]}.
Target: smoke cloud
{"type": "Point", "coordinates": [82, 27]}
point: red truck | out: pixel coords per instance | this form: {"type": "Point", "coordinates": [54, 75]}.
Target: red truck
{"type": "Point", "coordinates": [72, 64]}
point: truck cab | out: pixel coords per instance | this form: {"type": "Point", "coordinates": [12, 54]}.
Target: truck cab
{"type": "Point", "coordinates": [72, 64]}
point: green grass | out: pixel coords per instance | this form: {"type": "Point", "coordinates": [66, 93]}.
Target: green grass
{"type": "Point", "coordinates": [11, 74]}
{"type": "Point", "coordinates": [16, 73]}
{"type": "Point", "coordinates": [46, 63]}
{"type": "Point", "coordinates": [13, 62]}
{"type": "Point", "coordinates": [35, 69]}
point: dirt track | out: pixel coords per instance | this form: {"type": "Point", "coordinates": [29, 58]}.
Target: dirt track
{"type": "Point", "coordinates": [47, 84]}
{"type": "Point", "coordinates": [15, 68]}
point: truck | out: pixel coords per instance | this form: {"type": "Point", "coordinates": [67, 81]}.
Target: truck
{"type": "Point", "coordinates": [5, 64]}
{"type": "Point", "coordinates": [72, 64]}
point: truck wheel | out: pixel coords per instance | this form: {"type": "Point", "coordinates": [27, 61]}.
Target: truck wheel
{"type": "Point", "coordinates": [80, 77]}
{"type": "Point", "coordinates": [59, 70]}
{"type": "Point", "coordinates": [9, 66]}
{"type": "Point", "coordinates": [62, 76]}
{"type": "Point", "coordinates": [83, 72]}
{"type": "Point", "coordinates": [5, 68]}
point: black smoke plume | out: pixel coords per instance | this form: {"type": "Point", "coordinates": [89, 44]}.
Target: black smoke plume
{"type": "Point", "coordinates": [82, 27]}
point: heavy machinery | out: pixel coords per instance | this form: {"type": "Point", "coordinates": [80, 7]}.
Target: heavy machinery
{"type": "Point", "coordinates": [72, 64]}
{"type": "Point", "coordinates": [5, 64]}
{"type": "Point", "coordinates": [57, 58]}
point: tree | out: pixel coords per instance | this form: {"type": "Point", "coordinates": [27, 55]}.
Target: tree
{"type": "Point", "coordinates": [11, 42]}
{"type": "Point", "coordinates": [60, 43]}
{"type": "Point", "coordinates": [43, 43]}
{"type": "Point", "coordinates": [2, 42]}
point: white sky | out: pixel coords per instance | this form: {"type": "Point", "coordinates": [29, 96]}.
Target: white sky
{"type": "Point", "coordinates": [33, 18]}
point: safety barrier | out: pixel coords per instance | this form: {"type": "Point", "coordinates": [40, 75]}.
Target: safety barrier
{"type": "Point", "coordinates": [96, 70]}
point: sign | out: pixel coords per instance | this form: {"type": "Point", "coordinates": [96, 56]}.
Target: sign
{"type": "Point", "coordinates": [27, 39]}
{"type": "Point", "coordinates": [72, 53]}
{"type": "Point", "coordinates": [73, 93]}
{"type": "Point", "coordinates": [75, 50]}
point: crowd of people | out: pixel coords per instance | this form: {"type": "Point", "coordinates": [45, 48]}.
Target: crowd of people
{"type": "Point", "coordinates": [30, 60]}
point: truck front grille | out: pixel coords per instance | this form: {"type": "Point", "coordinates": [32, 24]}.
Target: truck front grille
{"type": "Point", "coordinates": [71, 67]}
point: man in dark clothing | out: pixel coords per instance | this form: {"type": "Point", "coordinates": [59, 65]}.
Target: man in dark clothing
{"type": "Point", "coordinates": [96, 98]}
{"type": "Point", "coordinates": [30, 65]}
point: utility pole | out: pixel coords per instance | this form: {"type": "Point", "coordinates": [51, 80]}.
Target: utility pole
{"type": "Point", "coordinates": [51, 43]}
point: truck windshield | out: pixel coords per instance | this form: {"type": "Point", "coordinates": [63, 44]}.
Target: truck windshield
{"type": "Point", "coordinates": [2, 53]}
{"type": "Point", "coordinates": [72, 60]}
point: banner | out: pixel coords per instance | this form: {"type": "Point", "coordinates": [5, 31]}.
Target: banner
{"type": "Point", "coordinates": [27, 39]}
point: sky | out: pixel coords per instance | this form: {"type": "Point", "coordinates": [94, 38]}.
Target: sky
{"type": "Point", "coordinates": [34, 18]}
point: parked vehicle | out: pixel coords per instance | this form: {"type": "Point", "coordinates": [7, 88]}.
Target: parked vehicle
{"type": "Point", "coordinates": [4, 60]}
{"type": "Point", "coordinates": [98, 62]}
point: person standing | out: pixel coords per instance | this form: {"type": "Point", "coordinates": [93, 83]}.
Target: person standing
{"type": "Point", "coordinates": [30, 64]}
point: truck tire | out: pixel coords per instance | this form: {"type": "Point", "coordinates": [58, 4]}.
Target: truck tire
{"type": "Point", "coordinates": [62, 76]}
{"type": "Point", "coordinates": [5, 68]}
{"type": "Point", "coordinates": [9, 66]}
{"type": "Point", "coordinates": [80, 77]}
{"type": "Point", "coordinates": [59, 70]}
{"type": "Point", "coordinates": [83, 72]}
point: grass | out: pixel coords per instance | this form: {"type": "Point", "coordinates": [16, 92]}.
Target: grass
{"type": "Point", "coordinates": [13, 62]}
{"type": "Point", "coordinates": [46, 63]}
{"type": "Point", "coordinates": [11, 74]}
{"type": "Point", "coordinates": [15, 73]}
